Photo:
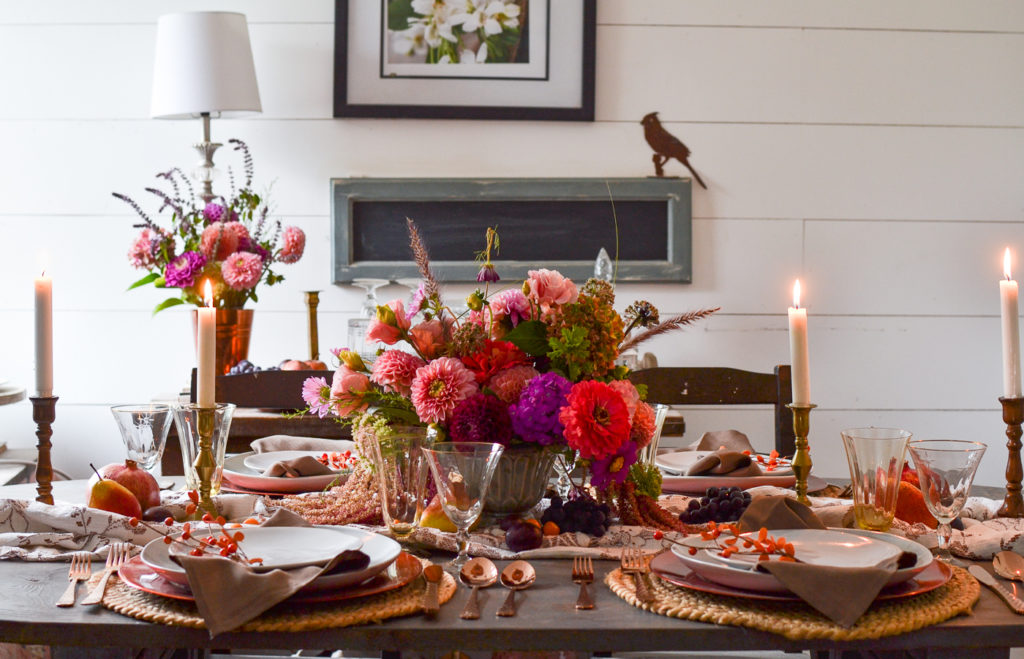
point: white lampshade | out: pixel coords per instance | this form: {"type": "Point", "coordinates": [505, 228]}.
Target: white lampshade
{"type": "Point", "coordinates": [203, 64]}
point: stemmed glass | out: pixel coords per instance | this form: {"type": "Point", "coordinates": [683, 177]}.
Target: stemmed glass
{"type": "Point", "coordinates": [945, 469]}
{"type": "Point", "coordinates": [368, 309]}
{"type": "Point", "coordinates": [462, 472]}
{"type": "Point", "coordinates": [144, 431]}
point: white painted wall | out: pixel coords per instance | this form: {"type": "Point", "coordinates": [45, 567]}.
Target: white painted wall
{"type": "Point", "coordinates": [873, 148]}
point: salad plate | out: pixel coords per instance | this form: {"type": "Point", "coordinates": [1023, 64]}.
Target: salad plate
{"type": "Point", "coordinates": [677, 463]}
{"type": "Point", "coordinates": [332, 459]}
{"type": "Point", "coordinates": [236, 471]}
{"type": "Point", "coordinates": [818, 547]}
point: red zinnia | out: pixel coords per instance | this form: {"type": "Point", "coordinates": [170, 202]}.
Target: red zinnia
{"type": "Point", "coordinates": [495, 356]}
{"type": "Point", "coordinates": [596, 419]}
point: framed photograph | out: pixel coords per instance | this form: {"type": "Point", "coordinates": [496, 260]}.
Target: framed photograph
{"type": "Point", "coordinates": [465, 59]}
{"type": "Point", "coordinates": [644, 224]}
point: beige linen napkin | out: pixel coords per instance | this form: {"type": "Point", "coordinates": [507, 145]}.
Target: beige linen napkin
{"type": "Point", "coordinates": [842, 594]}
{"type": "Point", "coordinates": [730, 440]}
{"type": "Point", "coordinates": [297, 443]}
{"type": "Point", "coordinates": [229, 594]}
{"type": "Point", "coordinates": [724, 463]}
{"type": "Point", "coordinates": [306, 465]}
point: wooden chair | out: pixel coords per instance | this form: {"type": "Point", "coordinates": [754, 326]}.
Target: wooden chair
{"type": "Point", "coordinates": [724, 386]}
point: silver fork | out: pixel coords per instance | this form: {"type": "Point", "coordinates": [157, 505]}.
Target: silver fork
{"type": "Point", "coordinates": [116, 557]}
{"type": "Point", "coordinates": [633, 562]}
{"type": "Point", "coordinates": [80, 570]}
{"type": "Point", "coordinates": [583, 573]}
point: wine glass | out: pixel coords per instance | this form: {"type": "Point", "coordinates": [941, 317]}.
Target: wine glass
{"type": "Point", "coordinates": [945, 469]}
{"type": "Point", "coordinates": [144, 431]}
{"type": "Point", "coordinates": [462, 472]}
{"type": "Point", "coordinates": [402, 475]}
{"type": "Point", "coordinates": [368, 309]}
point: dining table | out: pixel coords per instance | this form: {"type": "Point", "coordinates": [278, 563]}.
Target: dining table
{"type": "Point", "coordinates": [547, 621]}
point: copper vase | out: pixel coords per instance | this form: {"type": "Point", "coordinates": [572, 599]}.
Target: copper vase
{"type": "Point", "coordinates": [234, 327]}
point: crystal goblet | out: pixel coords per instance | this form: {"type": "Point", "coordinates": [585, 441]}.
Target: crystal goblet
{"type": "Point", "coordinates": [402, 475]}
{"type": "Point", "coordinates": [144, 431]}
{"type": "Point", "coordinates": [945, 469]}
{"type": "Point", "coordinates": [462, 472]}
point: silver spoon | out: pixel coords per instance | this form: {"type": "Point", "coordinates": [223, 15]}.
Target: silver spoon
{"type": "Point", "coordinates": [517, 575]}
{"type": "Point", "coordinates": [479, 573]}
{"type": "Point", "coordinates": [1009, 565]}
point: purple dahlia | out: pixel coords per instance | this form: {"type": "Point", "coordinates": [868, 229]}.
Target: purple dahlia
{"type": "Point", "coordinates": [182, 271]}
{"type": "Point", "coordinates": [481, 418]}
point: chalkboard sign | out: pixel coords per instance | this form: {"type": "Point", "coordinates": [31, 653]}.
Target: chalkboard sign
{"type": "Point", "coordinates": [551, 223]}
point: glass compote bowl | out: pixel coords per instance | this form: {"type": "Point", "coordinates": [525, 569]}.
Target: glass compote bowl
{"type": "Point", "coordinates": [945, 468]}
{"type": "Point", "coordinates": [368, 309]}
{"type": "Point", "coordinates": [462, 472]}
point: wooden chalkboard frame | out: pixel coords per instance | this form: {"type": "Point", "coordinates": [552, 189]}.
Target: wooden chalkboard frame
{"type": "Point", "coordinates": [674, 193]}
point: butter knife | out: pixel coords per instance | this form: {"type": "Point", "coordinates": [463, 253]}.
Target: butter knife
{"type": "Point", "coordinates": [984, 577]}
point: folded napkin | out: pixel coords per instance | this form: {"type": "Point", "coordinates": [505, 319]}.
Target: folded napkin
{"type": "Point", "coordinates": [306, 465]}
{"type": "Point", "coordinates": [842, 594]}
{"type": "Point", "coordinates": [297, 443]}
{"type": "Point", "coordinates": [725, 463]}
{"type": "Point", "coordinates": [729, 440]}
{"type": "Point", "coordinates": [229, 594]}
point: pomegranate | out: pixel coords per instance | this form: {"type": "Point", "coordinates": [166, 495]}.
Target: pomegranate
{"type": "Point", "coordinates": [138, 481]}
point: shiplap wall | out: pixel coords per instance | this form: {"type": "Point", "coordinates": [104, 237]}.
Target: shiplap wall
{"type": "Point", "coordinates": [873, 148]}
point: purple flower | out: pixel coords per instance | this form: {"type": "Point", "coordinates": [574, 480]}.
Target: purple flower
{"type": "Point", "coordinates": [615, 467]}
{"type": "Point", "coordinates": [487, 273]}
{"type": "Point", "coordinates": [535, 416]}
{"type": "Point", "coordinates": [215, 212]}
{"type": "Point", "coordinates": [182, 271]}
{"type": "Point", "coordinates": [481, 418]}
{"type": "Point", "coordinates": [418, 298]}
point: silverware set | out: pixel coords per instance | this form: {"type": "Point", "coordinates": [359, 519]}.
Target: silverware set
{"type": "Point", "coordinates": [633, 562]}
{"type": "Point", "coordinates": [81, 570]}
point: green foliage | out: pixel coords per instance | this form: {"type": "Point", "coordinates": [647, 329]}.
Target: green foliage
{"type": "Point", "coordinates": [399, 13]}
{"type": "Point", "coordinates": [647, 479]}
{"type": "Point", "coordinates": [167, 304]}
{"type": "Point", "coordinates": [570, 351]}
{"type": "Point", "coordinates": [530, 336]}
{"type": "Point", "coordinates": [148, 279]}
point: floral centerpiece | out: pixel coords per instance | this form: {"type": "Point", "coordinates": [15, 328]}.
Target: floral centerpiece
{"type": "Point", "coordinates": [228, 241]}
{"type": "Point", "coordinates": [531, 364]}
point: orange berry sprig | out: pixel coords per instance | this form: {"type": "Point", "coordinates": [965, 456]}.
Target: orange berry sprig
{"type": "Point", "coordinates": [771, 464]}
{"type": "Point", "coordinates": [224, 543]}
{"type": "Point", "coordinates": [337, 460]}
{"type": "Point", "coordinates": [763, 545]}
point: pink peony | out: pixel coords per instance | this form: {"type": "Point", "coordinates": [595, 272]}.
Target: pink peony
{"type": "Point", "coordinates": [347, 389]}
{"type": "Point", "coordinates": [428, 338]}
{"type": "Point", "coordinates": [548, 287]}
{"type": "Point", "coordinates": [390, 325]}
{"type": "Point", "coordinates": [394, 370]}
{"type": "Point", "coordinates": [242, 270]}
{"type": "Point", "coordinates": [293, 244]}
{"type": "Point", "coordinates": [232, 235]}
{"type": "Point", "coordinates": [509, 383]}
{"type": "Point", "coordinates": [439, 386]}
{"type": "Point", "coordinates": [511, 304]}
{"type": "Point", "coordinates": [629, 394]}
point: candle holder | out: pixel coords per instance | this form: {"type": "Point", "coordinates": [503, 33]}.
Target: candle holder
{"type": "Point", "coordinates": [44, 411]}
{"type": "Point", "coordinates": [312, 302]}
{"type": "Point", "coordinates": [1013, 416]}
{"type": "Point", "coordinates": [203, 433]}
{"type": "Point", "coordinates": [802, 455]}
{"type": "Point", "coordinates": [205, 464]}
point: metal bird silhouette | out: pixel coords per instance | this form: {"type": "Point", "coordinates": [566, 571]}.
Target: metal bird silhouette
{"type": "Point", "coordinates": [666, 146]}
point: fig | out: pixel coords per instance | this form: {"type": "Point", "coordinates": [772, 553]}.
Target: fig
{"type": "Point", "coordinates": [522, 536]}
{"type": "Point", "coordinates": [156, 514]}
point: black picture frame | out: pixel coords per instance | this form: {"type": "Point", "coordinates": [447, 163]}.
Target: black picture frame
{"type": "Point", "coordinates": [548, 223]}
{"type": "Point", "coordinates": [346, 105]}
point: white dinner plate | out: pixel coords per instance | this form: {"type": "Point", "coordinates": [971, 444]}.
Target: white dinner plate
{"type": "Point", "coordinates": [712, 568]}
{"type": "Point", "coordinates": [820, 547]}
{"type": "Point", "coordinates": [382, 552]}
{"type": "Point", "coordinates": [699, 484]}
{"type": "Point", "coordinates": [677, 463]}
{"type": "Point", "coordinates": [280, 547]}
{"type": "Point", "coordinates": [252, 479]}
{"type": "Point", "coordinates": [262, 461]}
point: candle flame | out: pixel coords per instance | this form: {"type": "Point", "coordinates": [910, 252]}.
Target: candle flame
{"type": "Point", "coordinates": [208, 293]}
{"type": "Point", "coordinates": [796, 294]}
{"type": "Point", "coordinates": [1006, 264]}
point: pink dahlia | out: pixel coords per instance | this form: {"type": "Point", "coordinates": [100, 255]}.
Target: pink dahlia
{"type": "Point", "coordinates": [347, 390]}
{"type": "Point", "coordinates": [144, 250]}
{"type": "Point", "coordinates": [481, 418]}
{"type": "Point", "coordinates": [549, 287]}
{"type": "Point", "coordinates": [644, 425]}
{"type": "Point", "coordinates": [629, 394]}
{"type": "Point", "coordinates": [510, 304]}
{"type": "Point", "coordinates": [242, 270]}
{"type": "Point", "coordinates": [226, 237]}
{"type": "Point", "coordinates": [293, 244]}
{"type": "Point", "coordinates": [439, 386]}
{"type": "Point", "coordinates": [394, 370]}
{"type": "Point", "coordinates": [596, 419]}
{"type": "Point", "coordinates": [509, 383]}
{"type": "Point", "coordinates": [317, 394]}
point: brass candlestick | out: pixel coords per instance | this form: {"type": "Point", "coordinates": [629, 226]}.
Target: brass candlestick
{"type": "Point", "coordinates": [205, 464]}
{"type": "Point", "coordinates": [1013, 416]}
{"type": "Point", "coordinates": [802, 456]}
{"type": "Point", "coordinates": [312, 301]}
{"type": "Point", "coordinates": [44, 411]}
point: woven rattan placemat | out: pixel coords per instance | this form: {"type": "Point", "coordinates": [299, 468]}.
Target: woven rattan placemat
{"type": "Point", "coordinates": [284, 617]}
{"type": "Point", "coordinates": [798, 621]}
